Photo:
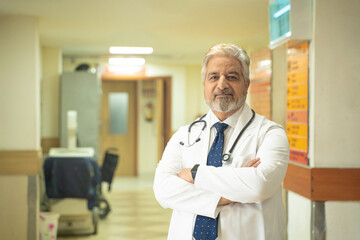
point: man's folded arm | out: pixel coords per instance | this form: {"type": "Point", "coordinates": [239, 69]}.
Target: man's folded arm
{"type": "Point", "coordinates": [248, 184]}
{"type": "Point", "coordinates": [173, 192]}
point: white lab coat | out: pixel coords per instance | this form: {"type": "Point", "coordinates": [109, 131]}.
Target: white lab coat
{"type": "Point", "coordinates": [258, 213]}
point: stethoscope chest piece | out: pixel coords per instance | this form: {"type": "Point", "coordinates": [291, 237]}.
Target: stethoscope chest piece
{"type": "Point", "coordinates": [226, 158]}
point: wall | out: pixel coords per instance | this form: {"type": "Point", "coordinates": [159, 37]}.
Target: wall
{"type": "Point", "coordinates": [19, 127]}
{"type": "Point", "coordinates": [299, 215]}
{"type": "Point", "coordinates": [147, 137]}
{"type": "Point", "coordinates": [194, 93]}
{"type": "Point", "coordinates": [337, 84]}
{"type": "Point", "coordinates": [334, 112]}
{"type": "Point", "coordinates": [51, 70]}
{"type": "Point", "coordinates": [13, 220]}
{"type": "Point", "coordinates": [19, 85]}
{"type": "Point", "coordinates": [178, 81]}
{"type": "Point", "coordinates": [336, 109]}
{"type": "Point", "coordinates": [278, 88]}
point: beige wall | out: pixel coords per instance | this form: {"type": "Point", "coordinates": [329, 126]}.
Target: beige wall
{"type": "Point", "coordinates": [51, 70]}
{"type": "Point", "coordinates": [335, 109]}
{"type": "Point", "coordinates": [299, 217]}
{"type": "Point", "coordinates": [147, 137]}
{"type": "Point", "coordinates": [334, 113]}
{"type": "Point", "coordinates": [194, 93]}
{"type": "Point", "coordinates": [278, 88]}
{"type": "Point", "coordinates": [178, 81]}
{"type": "Point", "coordinates": [14, 208]}
{"type": "Point", "coordinates": [19, 83]}
{"type": "Point", "coordinates": [19, 123]}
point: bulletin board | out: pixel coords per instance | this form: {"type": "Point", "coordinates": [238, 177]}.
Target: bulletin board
{"type": "Point", "coordinates": [297, 109]}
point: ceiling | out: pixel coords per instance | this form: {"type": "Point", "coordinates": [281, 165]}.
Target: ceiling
{"type": "Point", "coordinates": [178, 30]}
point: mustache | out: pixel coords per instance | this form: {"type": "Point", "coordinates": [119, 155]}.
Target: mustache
{"type": "Point", "coordinates": [225, 91]}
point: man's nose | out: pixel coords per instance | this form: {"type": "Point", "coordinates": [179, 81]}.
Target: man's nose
{"type": "Point", "coordinates": [223, 82]}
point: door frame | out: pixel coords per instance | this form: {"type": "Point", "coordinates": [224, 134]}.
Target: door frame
{"type": "Point", "coordinates": [166, 118]}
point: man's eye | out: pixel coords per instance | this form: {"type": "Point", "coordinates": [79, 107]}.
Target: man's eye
{"type": "Point", "coordinates": [232, 77]}
{"type": "Point", "coordinates": [213, 77]}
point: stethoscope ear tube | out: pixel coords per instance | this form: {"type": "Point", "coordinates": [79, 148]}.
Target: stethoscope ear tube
{"type": "Point", "coordinates": [198, 121]}
{"type": "Point", "coordinates": [201, 121]}
{"type": "Point", "coordinates": [226, 158]}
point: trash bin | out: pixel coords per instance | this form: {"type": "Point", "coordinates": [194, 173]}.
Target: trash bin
{"type": "Point", "coordinates": [48, 225]}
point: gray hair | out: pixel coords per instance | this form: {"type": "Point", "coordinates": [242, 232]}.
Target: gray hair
{"type": "Point", "coordinates": [229, 50]}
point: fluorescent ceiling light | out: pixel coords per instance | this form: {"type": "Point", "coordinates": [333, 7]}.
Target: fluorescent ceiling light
{"type": "Point", "coordinates": [131, 50]}
{"type": "Point", "coordinates": [127, 61]}
{"type": "Point", "coordinates": [126, 70]}
{"type": "Point", "coordinates": [282, 11]}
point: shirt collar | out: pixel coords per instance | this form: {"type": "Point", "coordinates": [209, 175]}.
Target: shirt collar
{"type": "Point", "coordinates": [230, 121]}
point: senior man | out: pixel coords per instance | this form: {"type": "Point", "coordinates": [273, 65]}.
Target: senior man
{"type": "Point", "coordinates": [222, 174]}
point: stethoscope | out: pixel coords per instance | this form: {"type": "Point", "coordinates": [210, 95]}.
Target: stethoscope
{"type": "Point", "coordinates": [226, 158]}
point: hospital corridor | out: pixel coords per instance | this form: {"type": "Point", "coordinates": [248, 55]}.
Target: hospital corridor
{"type": "Point", "coordinates": [179, 120]}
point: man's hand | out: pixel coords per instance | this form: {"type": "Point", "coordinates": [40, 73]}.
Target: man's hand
{"type": "Point", "coordinates": [253, 163]}
{"type": "Point", "coordinates": [185, 174]}
{"type": "Point", "coordinates": [224, 201]}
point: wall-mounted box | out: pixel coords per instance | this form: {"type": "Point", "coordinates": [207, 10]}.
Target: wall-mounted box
{"type": "Point", "coordinates": [289, 20]}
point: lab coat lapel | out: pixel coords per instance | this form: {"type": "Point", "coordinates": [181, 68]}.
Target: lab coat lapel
{"type": "Point", "coordinates": [205, 139]}
{"type": "Point", "coordinates": [244, 117]}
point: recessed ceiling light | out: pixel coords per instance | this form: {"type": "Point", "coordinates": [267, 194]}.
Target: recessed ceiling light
{"type": "Point", "coordinates": [131, 50]}
{"type": "Point", "coordinates": [127, 61]}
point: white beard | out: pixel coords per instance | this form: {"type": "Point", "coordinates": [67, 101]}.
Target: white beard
{"type": "Point", "coordinates": [225, 105]}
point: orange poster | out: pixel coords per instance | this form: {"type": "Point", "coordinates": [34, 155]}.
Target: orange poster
{"type": "Point", "coordinates": [299, 156]}
{"type": "Point", "coordinates": [297, 64]}
{"type": "Point", "coordinates": [296, 90]}
{"type": "Point", "coordinates": [297, 117]}
{"type": "Point", "coordinates": [297, 102]}
{"type": "Point", "coordinates": [298, 143]}
{"type": "Point", "coordinates": [297, 77]}
{"type": "Point", "coordinates": [297, 129]}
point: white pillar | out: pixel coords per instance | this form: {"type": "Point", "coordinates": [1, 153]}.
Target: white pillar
{"type": "Point", "coordinates": [19, 83]}
{"type": "Point", "coordinates": [19, 127]}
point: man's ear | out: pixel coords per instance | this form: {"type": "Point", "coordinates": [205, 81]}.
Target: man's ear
{"type": "Point", "coordinates": [247, 82]}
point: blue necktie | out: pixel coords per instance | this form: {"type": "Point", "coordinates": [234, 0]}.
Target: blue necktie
{"type": "Point", "coordinates": [207, 228]}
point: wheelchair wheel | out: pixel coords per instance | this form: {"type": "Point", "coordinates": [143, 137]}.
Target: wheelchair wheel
{"type": "Point", "coordinates": [104, 208]}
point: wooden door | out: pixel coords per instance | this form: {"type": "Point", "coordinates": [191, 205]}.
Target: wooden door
{"type": "Point", "coordinates": [125, 138]}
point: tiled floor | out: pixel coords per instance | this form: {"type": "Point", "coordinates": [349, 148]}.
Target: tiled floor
{"type": "Point", "coordinates": [135, 213]}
